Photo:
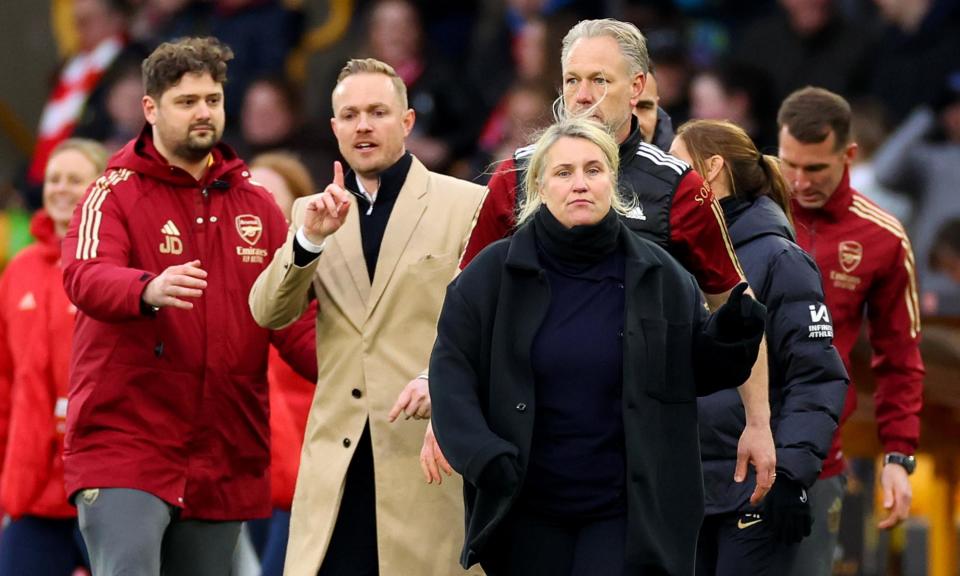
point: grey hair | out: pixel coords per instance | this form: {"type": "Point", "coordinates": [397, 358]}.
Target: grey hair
{"type": "Point", "coordinates": [570, 128]}
{"type": "Point", "coordinates": [631, 41]}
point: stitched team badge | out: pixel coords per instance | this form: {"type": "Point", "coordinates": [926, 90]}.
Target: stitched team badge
{"type": "Point", "coordinates": [250, 228]}
{"type": "Point", "coordinates": [851, 253]}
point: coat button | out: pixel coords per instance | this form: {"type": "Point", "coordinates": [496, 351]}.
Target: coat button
{"type": "Point", "coordinates": [346, 442]}
{"type": "Point", "coordinates": [521, 407]}
{"type": "Point", "coordinates": [356, 393]}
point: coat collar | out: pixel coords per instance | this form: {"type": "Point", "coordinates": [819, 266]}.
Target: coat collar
{"type": "Point", "coordinates": [838, 204]}
{"type": "Point", "coordinates": [522, 252]}
{"type": "Point", "coordinates": [410, 205]}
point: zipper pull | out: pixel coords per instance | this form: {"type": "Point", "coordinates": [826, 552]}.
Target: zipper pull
{"type": "Point", "coordinates": [205, 193]}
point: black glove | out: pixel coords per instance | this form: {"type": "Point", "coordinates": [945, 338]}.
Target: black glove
{"type": "Point", "coordinates": [787, 511]}
{"type": "Point", "coordinates": [500, 476]}
{"type": "Point", "coordinates": [740, 318]}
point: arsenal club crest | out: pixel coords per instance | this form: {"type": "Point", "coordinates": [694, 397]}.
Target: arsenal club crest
{"type": "Point", "coordinates": [851, 253]}
{"type": "Point", "coordinates": [250, 228]}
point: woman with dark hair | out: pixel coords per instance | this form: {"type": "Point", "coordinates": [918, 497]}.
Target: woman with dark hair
{"type": "Point", "coordinates": [807, 379]}
{"type": "Point", "coordinates": [564, 378]}
{"type": "Point", "coordinates": [36, 332]}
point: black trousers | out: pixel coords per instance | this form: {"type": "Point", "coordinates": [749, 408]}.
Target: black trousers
{"type": "Point", "coordinates": [741, 543]}
{"type": "Point", "coordinates": [526, 544]}
{"type": "Point", "coordinates": [353, 546]}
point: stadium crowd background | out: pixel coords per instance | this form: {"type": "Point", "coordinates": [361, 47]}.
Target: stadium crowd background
{"type": "Point", "coordinates": [482, 76]}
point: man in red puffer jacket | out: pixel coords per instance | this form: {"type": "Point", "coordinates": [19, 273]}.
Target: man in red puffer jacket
{"type": "Point", "coordinates": [167, 447]}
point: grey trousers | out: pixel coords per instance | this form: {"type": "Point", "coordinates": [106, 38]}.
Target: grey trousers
{"type": "Point", "coordinates": [134, 533]}
{"type": "Point", "coordinates": [815, 553]}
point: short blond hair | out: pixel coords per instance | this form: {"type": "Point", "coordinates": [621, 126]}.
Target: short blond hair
{"type": "Point", "coordinates": [570, 128]}
{"type": "Point", "coordinates": [373, 66]}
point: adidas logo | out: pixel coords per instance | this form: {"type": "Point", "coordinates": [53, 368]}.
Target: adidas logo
{"type": "Point", "coordinates": [170, 229]}
{"type": "Point", "coordinates": [171, 239]}
{"type": "Point", "coordinates": [636, 213]}
{"type": "Point", "coordinates": [28, 302]}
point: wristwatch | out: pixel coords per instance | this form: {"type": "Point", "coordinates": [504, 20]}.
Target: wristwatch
{"type": "Point", "coordinates": [909, 463]}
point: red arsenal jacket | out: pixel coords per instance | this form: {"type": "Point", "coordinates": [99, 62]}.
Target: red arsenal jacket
{"type": "Point", "coordinates": [866, 261]}
{"type": "Point", "coordinates": [36, 326]}
{"type": "Point", "coordinates": [174, 404]}
{"type": "Point", "coordinates": [674, 209]}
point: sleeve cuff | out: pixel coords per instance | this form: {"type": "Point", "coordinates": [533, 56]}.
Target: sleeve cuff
{"type": "Point", "coordinates": [307, 244]}
{"type": "Point", "coordinates": [305, 251]}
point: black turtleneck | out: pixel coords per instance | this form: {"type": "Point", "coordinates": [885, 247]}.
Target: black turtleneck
{"type": "Point", "coordinates": [577, 459]}
{"type": "Point", "coordinates": [374, 217]}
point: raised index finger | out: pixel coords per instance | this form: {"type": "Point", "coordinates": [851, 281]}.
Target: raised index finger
{"type": "Point", "coordinates": [338, 173]}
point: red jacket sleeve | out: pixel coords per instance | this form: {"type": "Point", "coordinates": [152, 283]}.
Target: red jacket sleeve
{"type": "Point", "coordinates": [97, 275]}
{"type": "Point", "coordinates": [297, 343]}
{"type": "Point", "coordinates": [6, 376]}
{"type": "Point", "coordinates": [699, 238]}
{"type": "Point", "coordinates": [894, 332]}
{"type": "Point", "coordinates": [497, 215]}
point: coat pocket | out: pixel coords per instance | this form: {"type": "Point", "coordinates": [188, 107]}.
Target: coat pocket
{"type": "Point", "coordinates": [669, 374]}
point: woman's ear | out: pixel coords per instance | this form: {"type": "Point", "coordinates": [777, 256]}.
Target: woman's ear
{"type": "Point", "coordinates": [714, 166]}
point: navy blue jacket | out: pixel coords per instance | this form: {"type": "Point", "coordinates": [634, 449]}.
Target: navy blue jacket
{"type": "Point", "coordinates": [808, 382]}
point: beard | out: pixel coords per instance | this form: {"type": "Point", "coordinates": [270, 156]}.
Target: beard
{"type": "Point", "coordinates": [196, 146]}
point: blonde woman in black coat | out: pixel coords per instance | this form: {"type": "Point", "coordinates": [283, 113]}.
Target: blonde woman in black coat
{"type": "Point", "coordinates": [565, 375]}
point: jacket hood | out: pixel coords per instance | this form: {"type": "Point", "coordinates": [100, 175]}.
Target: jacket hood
{"type": "Point", "coordinates": [43, 230]}
{"type": "Point", "coordinates": [141, 156]}
{"type": "Point", "coordinates": [747, 221]}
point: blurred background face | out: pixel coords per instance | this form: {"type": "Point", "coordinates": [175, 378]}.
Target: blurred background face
{"type": "Point", "coordinates": [808, 16]}
{"type": "Point", "coordinates": [708, 100]}
{"type": "Point", "coordinates": [950, 118]}
{"type": "Point", "coordinates": [576, 185]}
{"type": "Point", "coordinates": [123, 104]}
{"type": "Point", "coordinates": [277, 186]}
{"type": "Point", "coordinates": [266, 118]}
{"type": "Point", "coordinates": [95, 22]}
{"type": "Point", "coordinates": [69, 174]}
{"type": "Point", "coordinates": [394, 32]}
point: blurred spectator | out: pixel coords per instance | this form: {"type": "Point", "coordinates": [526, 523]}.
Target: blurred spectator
{"type": "Point", "coordinates": [260, 32]}
{"type": "Point", "coordinates": [919, 48]}
{"type": "Point", "coordinates": [36, 330]}
{"type": "Point", "coordinates": [123, 108]}
{"type": "Point", "coordinates": [806, 42]}
{"type": "Point", "coordinates": [447, 124]}
{"type": "Point", "coordinates": [77, 102]}
{"type": "Point", "coordinates": [290, 394]}
{"type": "Point", "coordinates": [524, 110]}
{"type": "Point", "coordinates": [739, 93]}
{"type": "Point", "coordinates": [656, 127]}
{"type": "Point", "coordinates": [945, 252]}
{"type": "Point", "coordinates": [870, 129]}
{"type": "Point", "coordinates": [922, 158]}
{"type": "Point", "coordinates": [271, 119]}
{"type": "Point", "coordinates": [673, 76]}
{"type": "Point", "coordinates": [284, 176]}
{"type": "Point", "coordinates": [151, 18]}
{"type": "Point", "coordinates": [270, 116]}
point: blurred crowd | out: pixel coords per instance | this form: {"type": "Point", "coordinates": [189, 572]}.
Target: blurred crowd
{"type": "Point", "coordinates": [483, 78]}
{"type": "Point", "coordinates": [483, 75]}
